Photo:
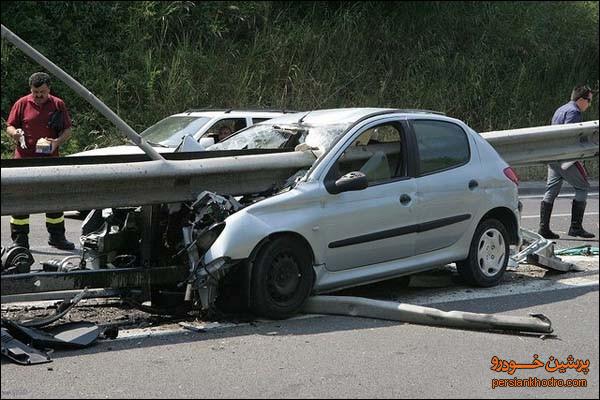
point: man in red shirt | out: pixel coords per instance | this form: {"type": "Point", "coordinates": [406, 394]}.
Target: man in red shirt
{"type": "Point", "coordinates": [40, 124]}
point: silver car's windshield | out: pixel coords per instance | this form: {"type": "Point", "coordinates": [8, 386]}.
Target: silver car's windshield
{"type": "Point", "coordinates": [269, 136]}
{"type": "Point", "coordinates": [170, 131]}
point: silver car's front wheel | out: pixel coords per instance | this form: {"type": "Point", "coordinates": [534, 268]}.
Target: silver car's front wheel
{"type": "Point", "coordinates": [282, 278]}
{"type": "Point", "coordinates": [488, 254]}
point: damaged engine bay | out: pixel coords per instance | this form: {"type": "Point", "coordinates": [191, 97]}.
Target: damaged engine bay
{"type": "Point", "coordinates": [111, 240]}
{"type": "Point", "coordinates": [118, 239]}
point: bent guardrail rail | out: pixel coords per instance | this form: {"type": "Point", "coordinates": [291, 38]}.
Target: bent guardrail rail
{"type": "Point", "coordinates": [541, 144]}
{"type": "Point", "coordinates": [391, 310]}
{"type": "Point", "coordinates": [28, 189]}
{"type": "Point", "coordinates": [78, 187]}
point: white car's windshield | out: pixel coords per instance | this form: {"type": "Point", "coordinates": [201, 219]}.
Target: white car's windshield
{"type": "Point", "coordinates": [169, 131]}
{"type": "Point", "coordinates": [268, 136]}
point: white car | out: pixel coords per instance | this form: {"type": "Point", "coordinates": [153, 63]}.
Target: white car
{"type": "Point", "coordinates": [201, 125]}
{"type": "Point", "coordinates": [392, 192]}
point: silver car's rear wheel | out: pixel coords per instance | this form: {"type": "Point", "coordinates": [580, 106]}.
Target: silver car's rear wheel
{"type": "Point", "coordinates": [488, 254]}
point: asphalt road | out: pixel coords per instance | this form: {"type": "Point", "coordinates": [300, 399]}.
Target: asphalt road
{"type": "Point", "coordinates": [336, 357]}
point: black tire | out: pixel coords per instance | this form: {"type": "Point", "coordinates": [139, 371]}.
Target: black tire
{"type": "Point", "coordinates": [282, 278]}
{"type": "Point", "coordinates": [486, 268]}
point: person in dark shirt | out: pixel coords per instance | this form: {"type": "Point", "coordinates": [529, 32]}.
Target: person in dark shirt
{"type": "Point", "coordinates": [39, 123]}
{"type": "Point", "coordinates": [572, 172]}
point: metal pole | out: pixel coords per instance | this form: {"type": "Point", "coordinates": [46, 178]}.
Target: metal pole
{"type": "Point", "coordinates": [83, 92]}
{"type": "Point", "coordinates": [389, 310]}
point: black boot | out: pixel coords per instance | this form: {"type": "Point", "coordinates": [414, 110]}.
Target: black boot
{"type": "Point", "coordinates": [60, 242]}
{"type": "Point", "coordinates": [21, 240]}
{"type": "Point", "coordinates": [545, 213]}
{"type": "Point", "coordinates": [577, 211]}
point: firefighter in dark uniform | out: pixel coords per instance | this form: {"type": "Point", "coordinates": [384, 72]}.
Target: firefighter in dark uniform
{"type": "Point", "coordinates": [39, 123]}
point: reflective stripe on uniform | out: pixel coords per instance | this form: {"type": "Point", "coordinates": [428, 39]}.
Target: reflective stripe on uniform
{"type": "Point", "coordinates": [55, 220]}
{"type": "Point", "coordinates": [16, 221]}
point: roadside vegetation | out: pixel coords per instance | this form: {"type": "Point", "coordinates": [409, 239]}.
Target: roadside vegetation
{"type": "Point", "coordinates": [495, 65]}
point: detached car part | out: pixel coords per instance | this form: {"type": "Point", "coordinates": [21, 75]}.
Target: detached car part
{"type": "Point", "coordinates": [72, 335]}
{"type": "Point", "coordinates": [16, 260]}
{"type": "Point", "coordinates": [19, 352]}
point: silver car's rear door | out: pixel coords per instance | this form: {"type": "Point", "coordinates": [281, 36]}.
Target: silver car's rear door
{"type": "Point", "coordinates": [448, 186]}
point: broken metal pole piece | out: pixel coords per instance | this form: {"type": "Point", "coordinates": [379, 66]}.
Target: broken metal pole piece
{"type": "Point", "coordinates": [389, 310]}
{"type": "Point", "coordinates": [540, 252]}
{"type": "Point", "coordinates": [552, 262]}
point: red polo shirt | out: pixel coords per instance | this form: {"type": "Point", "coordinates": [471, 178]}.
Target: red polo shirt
{"type": "Point", "coordinates": [33, 119]}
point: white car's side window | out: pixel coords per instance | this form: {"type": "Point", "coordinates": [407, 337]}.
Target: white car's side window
{"type": "Point", "coordinates": [225, 127]}
{"type": "Point", "coordinates": [377, 153]}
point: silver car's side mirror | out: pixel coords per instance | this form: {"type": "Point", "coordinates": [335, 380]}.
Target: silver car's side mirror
{"type": "Point", "coordinates": [352, 181]}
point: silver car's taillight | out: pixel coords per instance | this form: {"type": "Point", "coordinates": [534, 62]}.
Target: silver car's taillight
{"type": "Point", "coordinates": [512, 175]}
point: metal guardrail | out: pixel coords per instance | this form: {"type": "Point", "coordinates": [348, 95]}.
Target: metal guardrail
{"type": "Point", "coordinates": [393, 311]}
{"type": "Point", "coordinates": [83, 187]}
{"type": "Point", "coordinates": [538, 145]}
{"type": "Point", "coordinates": [76, 187]}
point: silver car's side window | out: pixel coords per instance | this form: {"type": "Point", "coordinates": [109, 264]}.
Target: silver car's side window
{"type": "Point", "coordinates": [442, 146]}
{"type": "Point", "coordinates": [377, 153]}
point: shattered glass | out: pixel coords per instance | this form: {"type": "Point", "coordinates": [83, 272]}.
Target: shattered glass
{"type": "Point", "coordinates": [322, 137]}
{"type": "Point", "coordinates": [275, 137]}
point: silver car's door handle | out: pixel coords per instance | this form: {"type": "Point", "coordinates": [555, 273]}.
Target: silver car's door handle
{"type": "Point", "coordinates": [405, 199]}
{"type": "Point", "coordinates": [473, 184]}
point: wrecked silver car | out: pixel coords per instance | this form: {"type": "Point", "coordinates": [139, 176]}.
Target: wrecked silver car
{"type": "Point", "coordinates": [391, 192]}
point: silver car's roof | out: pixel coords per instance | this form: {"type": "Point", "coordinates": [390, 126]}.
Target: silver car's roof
{"type": "Point", "coordinates": [338, 116]}
{"type": "Point", "coordinates": [231, 114]}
